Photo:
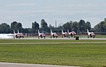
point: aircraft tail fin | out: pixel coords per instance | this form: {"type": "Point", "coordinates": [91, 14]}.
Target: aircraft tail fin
{"type": "Point", "coordinates": [51, 31]}
{"type": "Point", "coordinates": [38, 32]}
{"type": "Point", "coordinates": [14, 31]}
{"type": "Point", "coordinates": [87, 31]}
{"type": "Point", "coordinates": [68, 31]}
{"type": "Point", "coordinates": [62, 32]}
{"type": "Point", "coordinates": [18, 31]}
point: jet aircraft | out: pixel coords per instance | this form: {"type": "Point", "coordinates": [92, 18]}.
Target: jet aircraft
{"type": "Point", "coordinates": [41, 35]}
{"type": "Point", "coordinates": [72, 33]}
{"type": "Point", "coordinates": [53, 34]}
{"type": "Point", "coordinates": [64, 34]}
{"type": "Point", "coordinates": [90, 34]}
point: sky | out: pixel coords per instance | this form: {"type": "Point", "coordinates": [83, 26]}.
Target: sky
{"type": "Point", "coordinates": [59, 11]}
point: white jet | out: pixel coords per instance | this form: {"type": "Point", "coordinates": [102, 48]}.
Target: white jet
{"type": "Point", "coordinates": [18, 35]}
{"type": "Point", "coordinates": [53, 34]}
{"type": "Point", "coordinates": [64, 34]}
{"type": "Point", "coordinates": [41, 35]}
{"type": "Point", "coordinates": [72, 33]}
{"type": "Point", "coordinates": [90, 34]}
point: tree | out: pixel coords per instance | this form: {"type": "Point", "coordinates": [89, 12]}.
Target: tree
{"type": "Point", "coordinates": [68, 26]}
{"type": "Point", "coordinates": [88, 25]}
{"type": "Point", "coordinates": [5, 28]}
{"type": "Point", "coordinates": [55, 29]}
{"type": "Point", "coordinates": [101, 27]}
{"type": "Point", "coordinates": [44, 26]}
{"type": "Point", "coordinates": [19, 27]}
{"type": "Point", "coordinates": [82, 26]}
{"type": "Point", "coordinates": [27, 30]}
{"type": "Point", "coordinates": [16, 26]}
{"type": "Point", "coordinates": [97, 28]}
{"type": "Point", "coordinates": [75, 26]}
{"type": "Point", "coordinates": [35, 27]}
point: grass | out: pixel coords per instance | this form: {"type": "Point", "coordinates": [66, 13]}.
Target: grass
{"type": "Point", "coordinates": [86, 55]}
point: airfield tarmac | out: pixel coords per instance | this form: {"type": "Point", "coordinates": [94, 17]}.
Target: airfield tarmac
{"type": "Point", "coordinates": [58, 39]}
{"type": "Point", "coordinates": [66, 38]}
{"type": "Point", "coordinates": [29, 65]}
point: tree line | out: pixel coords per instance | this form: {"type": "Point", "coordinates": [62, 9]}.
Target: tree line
{"type": "Point", "coordinates": [79, 27]}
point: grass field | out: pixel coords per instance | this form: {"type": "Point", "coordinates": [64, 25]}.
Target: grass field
{"type": "Point", "coordinates": [55, 52]}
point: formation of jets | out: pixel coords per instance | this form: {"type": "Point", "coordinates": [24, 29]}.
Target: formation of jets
{"type": "Point", "coordinates": [67, 34]}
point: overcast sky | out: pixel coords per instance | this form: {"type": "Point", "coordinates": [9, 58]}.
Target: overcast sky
{"type": "Point", "coordinates": [61, 11]}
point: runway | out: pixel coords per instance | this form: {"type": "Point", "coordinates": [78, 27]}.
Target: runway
{"type": "Point", "coordinates": [2, 64]}
{"type": "Point", "coordinates": [65, 38]}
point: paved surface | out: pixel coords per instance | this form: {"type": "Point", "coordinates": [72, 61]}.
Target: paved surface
{"type": "Point", "coordinates": [47, 38]}
{"type": "Point", "coordinates": [29, 65]}
{"type": "Point", "coordinates": [66, 38]}
{"type": "Point", "coordinates": [59, 42]}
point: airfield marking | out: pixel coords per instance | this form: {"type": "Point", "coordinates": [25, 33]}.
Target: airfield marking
{"type": "Point", "coordinates": [63, 39]}
{"type": "Point", "coordinates": [2, 64]}
{"type": "Point", "coordinates": [60, 43]}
